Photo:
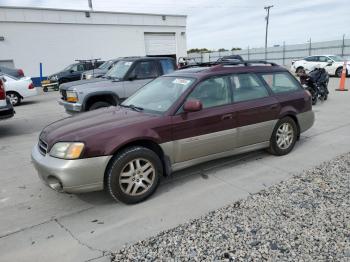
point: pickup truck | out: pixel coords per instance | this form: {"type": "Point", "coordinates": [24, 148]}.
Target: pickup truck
{"type": "Point", "coordinates": [71, 73]}
{"type": "Point", "coordinates": [121, 81]}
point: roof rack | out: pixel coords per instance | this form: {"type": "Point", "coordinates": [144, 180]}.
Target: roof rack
{"type": "Point", "coordinates": [231, 62]}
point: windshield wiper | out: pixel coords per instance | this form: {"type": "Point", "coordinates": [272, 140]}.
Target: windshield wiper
{"type": "Point", "coordinates": [133, 107]}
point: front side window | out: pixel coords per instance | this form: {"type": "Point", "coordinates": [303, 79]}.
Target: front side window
{"type": "Point", "coordinates": [144, 70]}
{"type": "Point", "coordinates": [247, 87]}
{"type": "Point", "coordinates": [212, 92]}
{"type": "Point", "coordinates": [80, 68]}
{"type": "Point", "coordinates": [322, 59]}
{"type": "Point", "coordinates": [311, 59]}
{"type": "Point", "coordinates": [167, 65]}
{"type": "Point", "coordinates": [281, 82]}
{"type": "Point", "coordinates": [160, 94]}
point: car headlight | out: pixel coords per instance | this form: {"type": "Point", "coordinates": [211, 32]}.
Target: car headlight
{"type": "Point", "coordinates": [54, 78]}
{"type": "Point", "coordinates": [66, 150]}
{"type": "Point", "coordinates": [72, 96]}
{"type": "Point", "coordinates": [88, 76]}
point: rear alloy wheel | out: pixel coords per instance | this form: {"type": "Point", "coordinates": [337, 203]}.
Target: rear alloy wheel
{"type": "Point", "coordinates": [134, 175]}
{"type": "Point", "coordinates": [283, 137]}
{"type": "Point", "coordinates": [14, 98]}
{"type": "Point", "coordinates": [98, 105]}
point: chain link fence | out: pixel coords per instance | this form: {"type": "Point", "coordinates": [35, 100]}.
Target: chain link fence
{"type": "Point", "coordinates": [283, 54]}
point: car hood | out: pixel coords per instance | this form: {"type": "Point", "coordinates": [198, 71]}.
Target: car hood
{"type": "Point", "coordinates": [84, 83]}
{"type": "Point", "coordinates": [102, 124]}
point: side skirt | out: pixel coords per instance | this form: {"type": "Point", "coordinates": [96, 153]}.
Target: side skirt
{"type": "Point", "coordinates": [240, 150]}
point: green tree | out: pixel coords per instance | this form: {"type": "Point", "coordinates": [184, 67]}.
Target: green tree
{"type": "Point", "coordinates": [235, 48]}
{"type": "Point", "coordinates": [198, 50]}
{"type": "Point", "coordinates": [222, 50]}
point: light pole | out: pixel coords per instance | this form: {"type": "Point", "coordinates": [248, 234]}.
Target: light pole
{"type": "Point", "coordinates": [267, 8]}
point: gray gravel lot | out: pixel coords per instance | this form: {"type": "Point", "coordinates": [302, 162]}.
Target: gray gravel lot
{"type": "Point", "coordinates": [305, 218]}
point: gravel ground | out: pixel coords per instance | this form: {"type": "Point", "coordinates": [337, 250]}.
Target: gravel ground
{"type": "Point", "coordinates": [306, 218]}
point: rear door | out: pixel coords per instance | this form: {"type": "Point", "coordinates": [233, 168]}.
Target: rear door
{"type": "Point", "coordinates": [256, 109]}
{"type": "Point", "coordinates": [142, 73]}
{"type": "Point", "coordinates": [210, 130]}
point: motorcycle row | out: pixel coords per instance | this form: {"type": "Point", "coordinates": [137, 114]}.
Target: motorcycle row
{"type": "Point", "coordinates": [316, 82]}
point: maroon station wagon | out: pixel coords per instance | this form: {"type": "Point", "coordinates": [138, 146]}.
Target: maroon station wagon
{"type": "Point", "coordinates": [176, 121]}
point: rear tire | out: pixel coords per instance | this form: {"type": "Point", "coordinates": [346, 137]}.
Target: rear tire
{"type": "Point", "coordinates": [133, 175]}
{"type": "Point", "coordinates": [98, 105]}
{"type": "Point", "coordinates": [14, 97]}
{"type": "Point", "coordinates": [284, 137]}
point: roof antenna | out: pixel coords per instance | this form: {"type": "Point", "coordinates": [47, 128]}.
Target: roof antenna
{"type": "Point", "coordinates": [90, 4]}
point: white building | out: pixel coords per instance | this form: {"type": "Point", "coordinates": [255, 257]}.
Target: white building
{"type": "Point", "coordinates": [57, 37]}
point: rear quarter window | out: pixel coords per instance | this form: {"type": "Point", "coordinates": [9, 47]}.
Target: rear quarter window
{"type": "Point", "coordinates": [281, 82]}
{"type": "Point", "coordinates": [167, 66]}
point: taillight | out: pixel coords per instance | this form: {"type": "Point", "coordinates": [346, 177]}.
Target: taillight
{"type": "Point", "coordinates": [2, 91]}
{"type": "Point", "coordinates": [20, 72]}
{"type": "Point", "coordinates": [31, 86]}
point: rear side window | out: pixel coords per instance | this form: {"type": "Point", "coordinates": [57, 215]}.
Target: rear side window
{"type": "Point", "coordinates": [167, 66]}
{"type": "Point", "coordinates": [281, 82]}
{"type": "Point", "coordinates": [311, 59]}
{"type": "Point", "coordinates": [247, 87]}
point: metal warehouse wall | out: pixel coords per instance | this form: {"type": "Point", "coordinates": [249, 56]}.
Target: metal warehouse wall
{"type": "Point", "coordinates": [57, 37]}
{"type": "Point", "coordinates": [282, 55]}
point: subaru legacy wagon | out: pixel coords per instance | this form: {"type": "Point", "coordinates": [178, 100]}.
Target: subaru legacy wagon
{"type": "Point", "coordinates": [178, 120]}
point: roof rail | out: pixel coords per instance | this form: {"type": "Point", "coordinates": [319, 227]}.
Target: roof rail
{"type": "Point", "coordinates": [230, 62]}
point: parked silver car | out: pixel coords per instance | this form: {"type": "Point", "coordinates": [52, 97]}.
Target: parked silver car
{"type": "Point", "coordinates": [120, 82]}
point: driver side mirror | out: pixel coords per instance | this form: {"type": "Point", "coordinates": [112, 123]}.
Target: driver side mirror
{"type": "Point", "coordinates": [329, 62]}
{"type": "Point", "coordinates": [71, 71]}
{"type": "Point", "coordinates": [193, 105]}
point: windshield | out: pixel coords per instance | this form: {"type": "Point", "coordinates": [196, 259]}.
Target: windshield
{"type": "Point", "coordinates": [119, 69]}
{"type": "Point", "coordinates": [336, 58]}
{"type": "Point", "coordinates": [68, 67]}
{"type": "Point", "coordinates": [106, 64]}
{"type": "Point", "coordinates": [159, 95]}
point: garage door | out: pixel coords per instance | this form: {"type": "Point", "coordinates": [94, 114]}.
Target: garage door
{"type": "Point", "coordinates": [160, 44]}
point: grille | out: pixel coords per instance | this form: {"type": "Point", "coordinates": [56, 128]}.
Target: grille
{"type": "Point", "coordinates": [64, 94]}
{"type": "Point", "coordinates": [42, 147]}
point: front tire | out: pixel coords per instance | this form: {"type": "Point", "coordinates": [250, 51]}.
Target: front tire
{"type": "Point", "coordinates": [98, 105]}
{"type": "Point", "coordinates": [14, 98]}
{"type": "Point", "coordinates": [284, 137]}
{"type": "Point", "coordinates": [133, 175]}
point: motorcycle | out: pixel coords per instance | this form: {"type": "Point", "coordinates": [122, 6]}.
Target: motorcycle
{"type": "Point", "coordinates": [316, 82]}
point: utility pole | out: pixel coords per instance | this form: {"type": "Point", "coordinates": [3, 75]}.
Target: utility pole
{"type": "Point", "coordinates": [267, 8]}
{"type": "Point", "coordinates": [90, 4]}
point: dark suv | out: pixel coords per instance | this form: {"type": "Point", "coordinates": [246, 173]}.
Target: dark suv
{"type": "Point", "coordinates": [176, 121]}
{"type": "Point", "coordinates": [71, 73]}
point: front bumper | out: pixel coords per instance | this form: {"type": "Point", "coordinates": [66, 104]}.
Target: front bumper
{"type": "Point", "coordinates": [49, 83]}
{"type": "Point", "coordinates": [74, 176]}
{"type": "Point", "coordinates": [71, 108]}
{"type": "Point", "coordinates": [7, 111]}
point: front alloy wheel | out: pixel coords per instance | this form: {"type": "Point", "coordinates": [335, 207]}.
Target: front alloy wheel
{"type": "Point", "coordinates": [284, 135]}
{"type": "Point", "coordinates": [133, 174]}
{"type": "Point", "coordinates": [137, 177]}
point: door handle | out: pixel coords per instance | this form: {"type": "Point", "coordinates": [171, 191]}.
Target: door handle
{"type": "Point", "coordinates": [274, 107]}
{"type": "Point", "coordinates": [228, 116]}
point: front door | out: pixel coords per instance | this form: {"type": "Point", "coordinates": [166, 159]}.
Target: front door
{"type": "Point", "coordinates": [210, 130]}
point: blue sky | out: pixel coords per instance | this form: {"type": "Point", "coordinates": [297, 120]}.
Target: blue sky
{"type": "Point", "coordinates": [233, 23]}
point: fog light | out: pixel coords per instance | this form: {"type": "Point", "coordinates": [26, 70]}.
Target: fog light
{"type": "Point", "coordinates": [55, 184]}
